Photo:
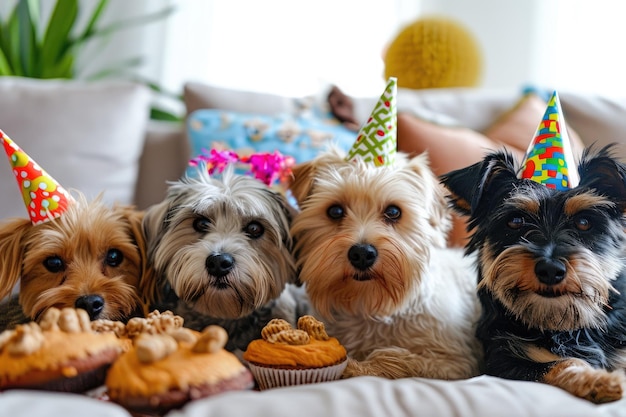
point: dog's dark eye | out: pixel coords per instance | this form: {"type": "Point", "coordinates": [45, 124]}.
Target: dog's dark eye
{"type": "Point", "coordinates": [582, 223]}
{"type": "Point", "coordinates": [201, 224]}
{"type": "Point", "coordinates": [114, 257]}
{"type": "Point", "coordinates": [393, 213]}
{"type": "Point", "coordinates": [254, 229]}
{"type": "Point", "coordinates": [335, 212]}
{"type": "Point", "coordinates": [516, 222]}
{"type": "Point", "coordinates": [54, 264]}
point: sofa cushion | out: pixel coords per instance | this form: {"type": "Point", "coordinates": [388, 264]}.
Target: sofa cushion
{"type": "Point", "coordinates": [246, 133]}
{"type": "Point", "coordinates": [87, 135]}
{"type": "Point", "coordinates": [473, 108]}
{"type": "Point", "coordinates": [197, 95]}
{"type": "Point", "coordinates": [599, 120]}
{"type": "Point", "coordinates": [164, 159]}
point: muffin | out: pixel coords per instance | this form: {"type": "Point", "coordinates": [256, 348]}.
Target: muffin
{"type": "Point", "coordinates": [61, 353]}
{"type": "Point", "coordinates": [286, 356]}
{"type": "Point", "coordinates": [163, 371]}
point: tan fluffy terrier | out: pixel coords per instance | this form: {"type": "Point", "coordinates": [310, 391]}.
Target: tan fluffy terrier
{"type": "Point", "coordinates": [370, 248]}
{"type": "Point", "coordinates": [92, 257]}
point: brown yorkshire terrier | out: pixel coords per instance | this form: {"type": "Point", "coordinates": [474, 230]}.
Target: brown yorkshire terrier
{"type": "Point", "coordinates": [92, 257]}
{"type": "Point", "coordinates": [370, 250]}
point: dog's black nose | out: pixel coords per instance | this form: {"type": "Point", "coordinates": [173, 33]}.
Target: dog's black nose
{"type": "Point", "coordinates": [220, 264]}
{"type": "Point", "coordinates": [93, 304]}
{"type": "Point", "coordinates": [362, 256]}
{"type": "Point", "coordinates": [550, 271]}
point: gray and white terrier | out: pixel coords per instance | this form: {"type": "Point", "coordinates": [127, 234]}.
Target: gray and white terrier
{"type": "Point", "coordinates": [220, 250]}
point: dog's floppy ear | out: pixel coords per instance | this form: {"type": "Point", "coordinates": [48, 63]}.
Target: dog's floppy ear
{"type": "Point", "coordinates": [288, 212]}
{"type": "Point", "coordinates": [153, 227]}
{"type": "Point", "coordinates": [154, 223]}
{"type": "Point", "coordinates": [470, 187]}
{"type": "Point", "coordinates": [12, 234]}
{"type": "Point", "coordinates": [434, 193]}
{"type": "Point", "coordinates": [302, 180]}
{"type": "Point", "coordinates": [602, 171]}
{"type": "Point", "coordinates": [147, 279]}
{"type": "Point", "coordinates": [304, 173]}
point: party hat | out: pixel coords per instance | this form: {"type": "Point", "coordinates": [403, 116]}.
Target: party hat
{"type": "Point", "coordinates": [377, 139]}
{"type": "Point", "coordinates": [44, 198]}
{"type": "Point", "coordinates": [549, 158]}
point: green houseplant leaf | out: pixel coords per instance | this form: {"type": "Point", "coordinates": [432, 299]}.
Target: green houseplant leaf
{"type": "Point", "coordinates": [57, 39]}
{"type": "Point", "coordinates": [32, 48]}
{"type": "Point", "coordinates": [27, 13]}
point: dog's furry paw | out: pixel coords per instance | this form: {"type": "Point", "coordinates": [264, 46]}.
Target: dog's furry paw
{"type": "Point", "coordinates": [581, 380]}
{"type": "Point", "coordinates": [353, 368]}
{"type": "Point", "coordinates": [389, 363]}
{"type": "Point", "coordinates": [601, 386]}
{"type": "Point", "coordinates": [604, 386]}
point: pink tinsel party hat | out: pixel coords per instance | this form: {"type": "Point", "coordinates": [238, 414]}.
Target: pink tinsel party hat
{"type": "Point", "coordinates": [44, 198]}
{"type": "Point", "coordinates": [377, 139]}
{"type": "Point", "coordinates": [549, 158]}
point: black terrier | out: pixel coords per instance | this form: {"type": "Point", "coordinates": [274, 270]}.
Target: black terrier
{"type": "Point", "coordinates": [551, 272]}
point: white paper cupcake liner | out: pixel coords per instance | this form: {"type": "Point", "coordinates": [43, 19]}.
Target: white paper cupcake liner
{"type": "Point", "coordinates": [268, 378]}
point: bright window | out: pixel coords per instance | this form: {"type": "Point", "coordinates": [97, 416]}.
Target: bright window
{"type": "Point", "coordinates": [284, 46]}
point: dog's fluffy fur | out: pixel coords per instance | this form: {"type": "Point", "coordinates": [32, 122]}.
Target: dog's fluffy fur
{"type": "Point", "coordinates": [92, 257]}
{"type": "Point", "coordinates": [221, 252]}
{"type": "Point", "coordinates": [370, 248]}
{"type": "Point", "coordinates": [551, 272]}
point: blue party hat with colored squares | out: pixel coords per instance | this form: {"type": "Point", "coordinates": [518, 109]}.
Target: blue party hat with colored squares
{"type": "Point", "coordinates": [549, 158]}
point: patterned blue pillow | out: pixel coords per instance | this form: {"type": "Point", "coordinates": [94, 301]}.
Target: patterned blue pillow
{"type": "Point", "coordinates": [300, 136]}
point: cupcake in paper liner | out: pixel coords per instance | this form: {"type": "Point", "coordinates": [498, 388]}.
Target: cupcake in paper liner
{"type": "Point", "coordinates": [285, 356]}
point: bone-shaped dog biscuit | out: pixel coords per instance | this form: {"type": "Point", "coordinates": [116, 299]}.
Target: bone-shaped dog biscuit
{"type": "Point", "coordinates": [313, 327]}
{"type": "Point", "coordinates": [274, 326]}
{"type": "Point", "coordinates": [153, 347]}
{"type": "Point", "coordinates": [292, 337]}
{"type": "Point", "coordinates": [212, 340]}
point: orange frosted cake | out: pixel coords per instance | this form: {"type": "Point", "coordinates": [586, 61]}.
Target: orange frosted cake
{"type": "Point", "coordinates": [166, 370]}
{"type": "Point", "coordinates": [61, 353]}
{"type": "Point", "coordinates": [287, 356]}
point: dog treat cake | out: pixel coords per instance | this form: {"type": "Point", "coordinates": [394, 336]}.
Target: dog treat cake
{"type": "Point", "coordinates": [60, 353]}
{"type": "Point", "coordinates": [287, 356]}
{"type": "Point", "coordinates": [165, 370]}
{"type": "Point", "coordinates": [155, 323]}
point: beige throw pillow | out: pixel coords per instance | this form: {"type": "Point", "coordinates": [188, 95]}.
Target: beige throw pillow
{"type": "Point", "coordinates": [87, 135]}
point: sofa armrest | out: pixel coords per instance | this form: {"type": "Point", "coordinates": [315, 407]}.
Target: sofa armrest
{"type": "Point", "coordinates": [164, 158]}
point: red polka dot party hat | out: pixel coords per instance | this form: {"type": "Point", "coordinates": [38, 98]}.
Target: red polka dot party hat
{"type": "Point", "coordinates": [44, 198]}
{"type": "Point", "coordinates": [550, 159]}
{"type": "Point", "coordinates": [377, 139]}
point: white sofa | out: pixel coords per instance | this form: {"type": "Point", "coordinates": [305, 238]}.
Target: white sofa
{"type": "Point", "coordinates": [116, 150]}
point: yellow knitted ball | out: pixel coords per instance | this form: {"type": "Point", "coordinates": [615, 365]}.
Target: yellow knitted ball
{"type": "Point", "coordinates": [434, 52]}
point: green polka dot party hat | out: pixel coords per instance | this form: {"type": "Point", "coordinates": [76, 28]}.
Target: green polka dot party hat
{"type": "Point", "coordinates": [376, 142]}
